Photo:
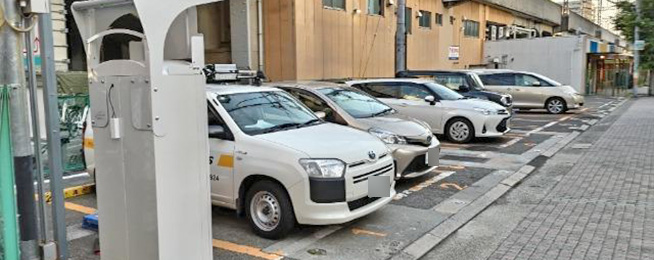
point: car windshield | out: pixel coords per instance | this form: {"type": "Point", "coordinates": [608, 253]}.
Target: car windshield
{"type": "Point", "coordinates": [356, 103]}
{"type": "Point", "coordinates": [266, 112]}
{"type": "Point", "coordinates": [443, 92]}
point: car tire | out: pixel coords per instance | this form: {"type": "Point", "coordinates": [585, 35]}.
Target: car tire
{"type": "Point", "coordinates": [269, 210]}
{"type": "Point", "coordinates": [556, 105]}
{"type": "Point", "coordinates": [460, 130]}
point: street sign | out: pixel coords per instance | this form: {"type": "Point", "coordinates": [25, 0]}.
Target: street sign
{"type": "Point", "coordinates": [639, 45]}
{"type": "Point", "coordinates": [453, 52]}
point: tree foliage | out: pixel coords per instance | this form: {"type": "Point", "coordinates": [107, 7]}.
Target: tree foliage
{"type": "Point", "coordinates": [626, 20]}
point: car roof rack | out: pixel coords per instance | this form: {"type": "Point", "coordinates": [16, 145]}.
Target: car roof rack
{"type": "Point", "coordinates": [229, 74]}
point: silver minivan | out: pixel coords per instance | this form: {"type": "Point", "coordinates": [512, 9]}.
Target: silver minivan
{"type": "Point", "coordinates": [415, 149]}
{"type": "Point", "coordinates": [532, 91]}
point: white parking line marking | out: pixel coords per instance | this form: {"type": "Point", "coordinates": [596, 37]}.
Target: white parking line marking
{"type": "Point", "coordinates": [512, 142]}
{"type": "Point", "coordinates": [76, 232]}
{"type": "Point", "coordinates": [289, 246]}
{"type": "Point", "coordinates": [422, 185]}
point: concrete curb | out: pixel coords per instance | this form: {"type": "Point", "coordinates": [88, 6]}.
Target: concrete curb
{"type": "Point", "coordinates": [73, 192]}
{"type": "Point", "coordinates": [464, 212]}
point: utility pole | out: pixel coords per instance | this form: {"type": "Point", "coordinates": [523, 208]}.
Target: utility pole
{"type": "Point", "coordinates": [12, 74]}
{"type": "Point", "coordinates": [636, 51]}
{"type": "Point", "coordinates": [400, 37]}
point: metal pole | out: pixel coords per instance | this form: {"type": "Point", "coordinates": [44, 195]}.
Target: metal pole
{"type": "Point", "coordinates": [54, 138]}
{"type": "Point", "coordinates": [400, 37]}
{"type": "Point", "coordinates": [13, 74]}
{"type": "Point", "coordinates": [36, 136]}
{"type": "Point", "coordinates": [636, 51]}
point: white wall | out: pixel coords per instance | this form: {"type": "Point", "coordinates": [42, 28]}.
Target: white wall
{"type": "Point", "coordinates": [560, 58]}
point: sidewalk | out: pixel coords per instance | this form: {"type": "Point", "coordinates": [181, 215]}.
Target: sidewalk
{"type": "Point", "coordinates": [603, 208]}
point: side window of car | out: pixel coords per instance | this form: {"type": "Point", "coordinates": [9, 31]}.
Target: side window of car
{"type": "Point", "coordinates": [504, 79]}
{"type": "Point", "coordinates": [525, 80]}
{"type": "Point", "coordinates": [310, 100]}
{"type": "Point", "coordinates": [215, 119]}
{"type": "Point", "coordinates": [380, 90]}
{"type": "Point", "coordinates": [451, 81]}
{"type": "Point", "coordinates": [414, 92]}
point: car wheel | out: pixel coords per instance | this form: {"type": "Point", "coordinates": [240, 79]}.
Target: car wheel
{"type": "Point", "coordinates": [269, 210]}
{"type": "Point", "coordinates": [460, 130]}
{"type": "Point", "coordinates": [555, 106]}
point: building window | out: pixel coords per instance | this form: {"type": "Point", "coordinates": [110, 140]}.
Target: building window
{"type": "Point", "coordinates": [439, 19]}
{"type": "Point", "coordinates": [425, 19]}
{"type": "Point", "coordinates": [376, 7]}
{"type": "Point", "coordinates": [471, 28]}
{"type": "Point", "coordinates": [335, 4]}
{"type": "Point", "coordinates": [408, 16]}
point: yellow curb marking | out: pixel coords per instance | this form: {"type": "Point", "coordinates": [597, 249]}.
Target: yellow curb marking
{"type": "Point", "coordinates": [247, 250]}
{"type": "Point", "coordinates": [79, 208]}
{"type": "Point", "coordinates": [452, 185]}
{"type": "Point", "coordinates": [358, 231]}
{"type": "Point", "coordinates": [70, 192]}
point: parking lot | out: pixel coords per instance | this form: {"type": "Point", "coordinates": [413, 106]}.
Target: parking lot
{"type": "Point", "coordinates": [467, 171]}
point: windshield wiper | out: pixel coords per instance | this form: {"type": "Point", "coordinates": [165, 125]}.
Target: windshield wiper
{"type": "Point", "coordinates": [310, 122]}
{"type": "Point", "coordinates": [281, 127]}
{"type": "Point", "coordinates": [384, 112]}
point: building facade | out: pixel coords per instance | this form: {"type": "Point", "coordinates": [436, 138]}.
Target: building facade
{"type": "Point", "coordinates": [340, 39]}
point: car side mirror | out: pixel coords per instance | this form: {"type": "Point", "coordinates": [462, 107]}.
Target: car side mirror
{"type": "Point", "coordinates": [536, 84]}
{"type": "Point", "coordinates": [431, 100]}
{"type": "Point", "coordinates": [217, 132]}
{"type": "Point", "coordinates": [321, 114]}
{"type": "Point", "coordinates": [464, 88]}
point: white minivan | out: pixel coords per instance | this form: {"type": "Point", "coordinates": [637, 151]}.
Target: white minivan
{"type": "Point", "coordinates": [275, 160]}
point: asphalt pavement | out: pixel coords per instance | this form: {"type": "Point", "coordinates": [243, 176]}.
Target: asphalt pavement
{"type": "Point", "coordinates": [428, 211]}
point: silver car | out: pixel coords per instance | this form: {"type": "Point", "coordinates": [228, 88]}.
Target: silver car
{"type": "Point", "coordinates": [415, 150]}
{"type": "Point", "coordinates": [532, 91]}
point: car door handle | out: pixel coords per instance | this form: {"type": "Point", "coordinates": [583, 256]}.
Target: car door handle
{"type": "Point", "coordinates": [404, 104]}
{"type": "Point", "coordinates": [241, 152]}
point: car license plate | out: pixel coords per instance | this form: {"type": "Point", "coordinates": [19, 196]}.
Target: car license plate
{"type": "Point", "coordinates": [431, 157]}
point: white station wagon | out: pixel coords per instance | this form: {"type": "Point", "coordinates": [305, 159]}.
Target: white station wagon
{"type": "Point", "coordinates": [275, 160]}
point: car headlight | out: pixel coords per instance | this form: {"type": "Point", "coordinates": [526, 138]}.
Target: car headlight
{"type": "Point", "coordinates": [486, 111]}
{"type": "Point", "coordinates": [387, 137]}
{"type": "Point", "coordinates": [505, 100]}
{"type": "Point", "coordinates": [323, 168]}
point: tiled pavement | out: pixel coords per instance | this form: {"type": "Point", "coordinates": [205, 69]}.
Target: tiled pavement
{"type": "Point", "coordinates": [604, 207]}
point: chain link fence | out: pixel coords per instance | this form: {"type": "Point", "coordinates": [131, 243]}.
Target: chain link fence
{"type": "Point", "coordinates": [72, 114]}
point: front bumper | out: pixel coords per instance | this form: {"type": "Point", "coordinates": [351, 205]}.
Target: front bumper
{"type": "Point", "coordinates": [413, 161]}
{"type": "Point", "coordinates": [493, 126]}
{"type": "Point", "coordinates": [357, 203]}
{"type": "Point", "coordinates": [576, 101]}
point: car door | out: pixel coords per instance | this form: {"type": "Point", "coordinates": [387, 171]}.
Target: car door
{"type": "Point", "coordinates": [412, 103]}
{"type": "Point", "coordinates": [498, 82]}
{"type": "Point", "coordinates": [222, 162]}
{"type": "Point", "coordinates": [529, 90]}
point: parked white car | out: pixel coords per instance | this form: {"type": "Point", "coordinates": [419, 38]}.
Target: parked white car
{"type": "Point", "coordinates": [415, 149]}
{"type": "Point", "coordinates": [275, 160]}
{"type": "Point", "coordinates": [532, 90]}
{"type": "Point", "coordinates": [447, 112]}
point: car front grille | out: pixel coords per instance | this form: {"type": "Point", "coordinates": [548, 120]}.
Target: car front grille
{"type": "Point", "coordinates": [503, 126]}
{"type": "Point", "coordinates": [362, 202]}
{"type": "Point", "coordinates": [376, 172]}
{"type": "Point", "coordinates": [417, 165]}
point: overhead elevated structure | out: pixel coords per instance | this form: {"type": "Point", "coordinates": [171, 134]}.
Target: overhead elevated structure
{"type": "Point", "coordinates": [148, 110]}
